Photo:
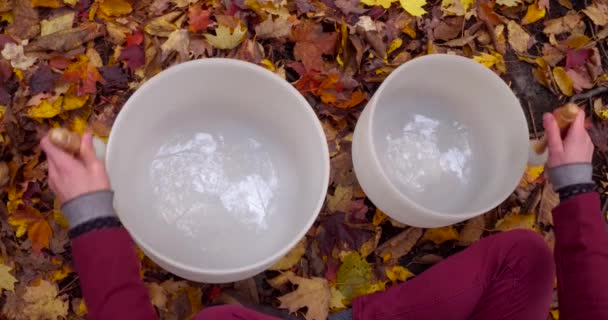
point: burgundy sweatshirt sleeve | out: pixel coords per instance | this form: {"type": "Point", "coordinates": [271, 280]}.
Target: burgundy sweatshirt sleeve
{"type": "Point", "coordinates": [109, 273]}
{"type": "Point", "coordinates": [581, 255]}
{"type": "Point", "coordinates": [106, 261]}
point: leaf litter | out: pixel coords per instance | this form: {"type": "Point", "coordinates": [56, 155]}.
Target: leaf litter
{"type": "Point", "coordinates": [73, 63]}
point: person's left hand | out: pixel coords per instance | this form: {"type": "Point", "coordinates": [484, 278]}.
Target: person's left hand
{"type": "Point", "coordinates": [72, 176]}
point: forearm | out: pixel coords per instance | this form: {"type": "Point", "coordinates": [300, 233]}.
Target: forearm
{"type": "Point", "coordinates": [105, 260]}
{"type": "Point", "coordinates": [581, 254]}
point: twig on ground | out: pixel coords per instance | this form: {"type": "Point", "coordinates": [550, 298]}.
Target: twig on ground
{"type": "Point", "coordinates": [532, 119]}
{"type": "Point", "coordinates": [588, 94]}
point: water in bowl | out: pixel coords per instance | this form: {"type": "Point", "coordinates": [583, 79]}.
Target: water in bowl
{"type": "Point", "coordinates": [428, 151]}
{"type": "Point", "coordinates": [219, 186]}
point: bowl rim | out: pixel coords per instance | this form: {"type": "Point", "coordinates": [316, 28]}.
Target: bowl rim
{"type": "Point", "coordinates": [491, 76]}
{"type": "Point", "coordinates": [169, 74]}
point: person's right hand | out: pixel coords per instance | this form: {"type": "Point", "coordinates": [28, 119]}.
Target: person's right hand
{"type": "Point", "coordinates": [575, 147]}
{"type": "Point", "coordinates": [69, 176]}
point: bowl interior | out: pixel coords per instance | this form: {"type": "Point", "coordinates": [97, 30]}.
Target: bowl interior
{"type": "Point", "coordinates": [450, 135]}
{"type": "Point", "coordinates": [217, 165]}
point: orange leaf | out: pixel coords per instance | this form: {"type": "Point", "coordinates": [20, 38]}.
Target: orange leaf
{"type": "Point", "coordinates": [115, 7]}
{"type": "Point", "coordinates": [356, 98]}
{"type": "Point", "coordinates": [31, 221]}
{"type": "Point", "coordinates": [198, 18]}
{"type": "Point", "coordinates": [84, 74]}
{"type": "Point", "coordinates": [487, 14]}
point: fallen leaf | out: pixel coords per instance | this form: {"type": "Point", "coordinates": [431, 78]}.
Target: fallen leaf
{"type": "Point", "coordinates": [33, 222]}
{"type": "Point", "coordinates": [47, 3]}
{"type": "Point", "coordinates": [492, 60]}
{"type": "Point", "coordinates": [580, 79]}
{"type": "Point", "coordinates": [115, 8]}
{"type": "Point", "coordinates": [518, 37]}
{"type": "Point", "coordinates": [456, 7]}
{"type": "Point", "coordinates": [400, 245]}
{"type": "Point", "coordinates": [225, 38]}
{"type": "Point", "coordinates": [198, 19]}
{"type": "Point", "coordinates": [413, 7]}
{"type": "Point", "coordinates": [336, 302]}
{"type": "Point", "coordinates": [178, 41]}
{"type": "Point", "coordinates": [577, 58]}
{"type": "Point", "coordinates": [341, 199]}
{"type": "Point", "coordinates": [66, 40]}
{"type": "Point", "coordinates": [383, 3]}
{"type": "Point", "coordinates": [472, 231]}
{"type": "Point", "coordinates": [398, 273]}
{"type": "Point", "coordinates": [515, 220]}
{"type": "Point", "coordinates": [533, 14]}
{"type": "Point", "coordinates": [43, 80]}
{"type": "Point", "coordinates": [291, 258]}
{"type": "Point", "coordinates": [275, 28]}
{"type": "Point", "coordinates": [15, 54]}
{"type": "Point", "coordinates": [313, 294]}
{"type": "Point", "coordinates": [598, 13]}
{"type": "Point", "coordinates": [354, 276]}
{"type": "Point", "coordinates": [7, 280]}
{"type": "Point", "coordinates": [549, 200]}
{"type": "Point", "coordinates": [26, 23]}
{"type": "Point", "coordinates": [508, 3]}
{"type": "Point", "coordinates": [571, 22]}
{"type": "Point", "coordinates": [440, 235]}
{"type": "Point", "coordinates": [600, 109]}
{"type": "Point", "coordinates": [158, 295]}
{"type": "Point", "coordinates": [59, 23]}
{"type": "Point", "coordinates": [563, 81]}
{"type": "Point", "coordinates": [41, 302]}
{"type": "Point", "coordinates": [163, 26]}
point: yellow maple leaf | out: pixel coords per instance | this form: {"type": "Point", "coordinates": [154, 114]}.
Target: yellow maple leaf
{"type": "Point", "coordinates": [398, 273]}
{"type": "Point", "coordinates": [291, 258]}
{"type": "Point", "coordinates": [313, 294]}
{"type": "Point", "coordinates": [383, 3]}
{"type": "Point", "coordinates": [563, 81]}
{"type": "Point", "coordinates": [7, 281]}
{"type": "Point", "coordinates": [492, 60]}
{"type": "Point", "coordinates": [414, 7]}
{"type": "Point", "coordinates": [336, 302]}
{"type": "Point", "coordinates": [225, 38]}
{"type": "Point", "coordinates": [533, 14]}
{"type": "Point", "coordinates": [41, 302]}
{"type": "Point", "coordinates": [114, 8]}
{"type": "Point", "coordinates": [508, 3]}
{"type": "Point", "coordinates": [441, 235]}
{"type": "Point", "coordinates": [531, 175]}
{"type": "Point", "coordinates": [30, 220]}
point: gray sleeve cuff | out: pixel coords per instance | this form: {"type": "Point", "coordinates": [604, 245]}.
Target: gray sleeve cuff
{"type": "Point", "coordinates": [89, 206]}
{"type": "Point", "coordinates": [570, 174]}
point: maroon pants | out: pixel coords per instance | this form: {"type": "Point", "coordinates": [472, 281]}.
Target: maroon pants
{"type": "Point", "coordinates": [506, 276]}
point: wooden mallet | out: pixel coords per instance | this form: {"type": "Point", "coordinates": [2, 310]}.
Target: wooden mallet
{"type": "Point", "coordinates": [564, 116]}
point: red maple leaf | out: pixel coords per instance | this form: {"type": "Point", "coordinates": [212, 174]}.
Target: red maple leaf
{"type": "Point", "coordinates": [198, 19]}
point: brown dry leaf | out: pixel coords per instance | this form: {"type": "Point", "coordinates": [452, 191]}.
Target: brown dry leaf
{"type": "Point", "coordinates": [563, 82]}
{"type": "Point", "coordinates": [400, 245]}
{"type": "Point", "coordinates": [16, 55]}
{"type": "Point", "coordinates": [313, 294]}
{"type": "Point", "coordinates": [472, 231]}
{"type": "Point", "coordinates": [66, 40]}
{"type": "Point", "coordinates": [571, 22]}
{"type": "Point", "coordinates": [158, 295]}
{"type": "Point", "coordinates": [178, 41]}
{"type": "Point", "coordinates": [163, 26]}
{"type": "Point", "coordinates": [291, 258]}
{"type": "Point", "coordinates": [341, 199]}
{"type": "Point", "coordinates": [598, 13]}
{"type": "Point", "coordinates": [275, 28]}
{"type": "Point", "coordinates": [518, 37]}
{"type": "Point", "coordinates": [7, 280]}
{"type": "Point", "coordinates": [59, 23]}
{"type": "Point", "coordinates": [508, 3]}
{"type": "Point", "coordinates": [549, 200]}
{"type": "Point", "coordinates": [41, 302]}
{"type": "Point", "coordinates": [441, 235]}
{"type": "Point", "coordinates": [26, 23]}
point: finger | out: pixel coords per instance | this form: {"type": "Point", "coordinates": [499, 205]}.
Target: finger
{"type": "Point", "coordinates": [552, 132]}
{"type": "Point", "coordinates": [87, 151]}
{"type": "Point", "coordinates": [577, 128]}
{"type": "Point", "coordinates": [63, 160]}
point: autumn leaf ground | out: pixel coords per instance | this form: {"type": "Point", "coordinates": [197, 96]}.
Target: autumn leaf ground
{"type": "Point", "coordinates": [73, 63]}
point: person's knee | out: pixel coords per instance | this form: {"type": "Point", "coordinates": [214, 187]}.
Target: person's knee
{"type": "Point", "coordinates": [532, 256]}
